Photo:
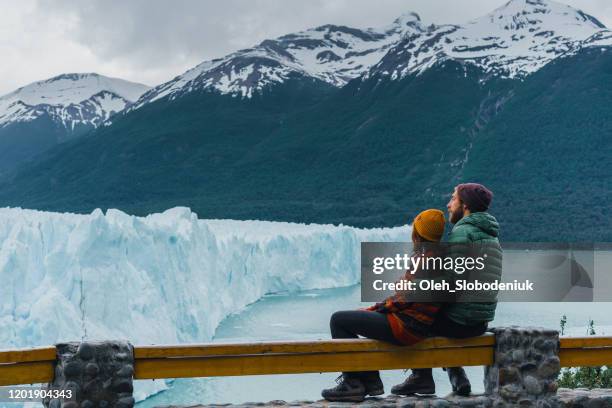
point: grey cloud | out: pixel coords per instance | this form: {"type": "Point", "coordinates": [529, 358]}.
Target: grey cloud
{"type": "Point", "coordinates": [144, 34]}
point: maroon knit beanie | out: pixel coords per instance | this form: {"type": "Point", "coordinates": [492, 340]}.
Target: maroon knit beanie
{"type": "Point", "coordinates": [475, 196]}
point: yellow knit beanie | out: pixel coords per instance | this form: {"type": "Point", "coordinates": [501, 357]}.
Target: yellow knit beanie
{"type": "Point", "coordinates": [429, 224]}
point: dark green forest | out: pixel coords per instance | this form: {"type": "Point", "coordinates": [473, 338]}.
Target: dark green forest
{"type": "Point", "coordinates": [371, 154]}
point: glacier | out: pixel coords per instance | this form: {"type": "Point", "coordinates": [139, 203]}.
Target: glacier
{"type": "Point", "coordinates": [166, 278]}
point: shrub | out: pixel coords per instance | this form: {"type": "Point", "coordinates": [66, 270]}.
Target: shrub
{"type": "Point", "coordinates": [584, 377]}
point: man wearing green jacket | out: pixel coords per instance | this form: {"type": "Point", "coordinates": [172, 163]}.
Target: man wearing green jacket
{"type": "Point", "coordinates": [473, 226]}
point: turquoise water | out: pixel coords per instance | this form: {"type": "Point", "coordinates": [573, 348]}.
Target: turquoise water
{"type": "Point", "coordinates": [306, 316]}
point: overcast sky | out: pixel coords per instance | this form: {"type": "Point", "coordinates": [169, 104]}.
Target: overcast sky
{"type": "Point", "coordinates": [153, 41]}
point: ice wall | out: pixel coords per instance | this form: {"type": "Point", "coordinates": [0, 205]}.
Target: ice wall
{"type": "Point", "coordinates": [162, 279]}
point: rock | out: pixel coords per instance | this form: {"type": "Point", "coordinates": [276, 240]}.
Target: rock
{"type": "Point", "coordinates": [92, 369]}
{"type": "Point", "coordinates": [122, 385]}
{"type": "Point", "coordinates": [406, 403]}
{"type": "Point", "coordinates": [518, 356]}
{"type": "Point", "coordinates": [532, 385]}
{"type": "Point", "coordinates": [510, 392]}
{"type": "Point", "coordinates": [126, 402]}
{"type": "Point", "coordinates": [127, 371]}
{"type": "Point", "coordinates": [55, 403]}
{"type": "Point", "coordinates": [550, 368]}
{"type": "Point", "coordinates": [508, 375]}
{"type": "Point", "coordinates": [72, 369]}
{"type": "Point", "coordinates": [550, 345]}
{"type": "Point", "coordinates": [597, 403]}
{"type": "Point", "coordinates": [86, 351]}
{"type": "Point", "coordinates": [528, 367]}
{"type": "Point", "coordinates": [440, 403]}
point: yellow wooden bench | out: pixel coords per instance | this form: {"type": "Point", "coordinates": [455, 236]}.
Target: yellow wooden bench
{"type": "Point", "coordinates": [36, 365]}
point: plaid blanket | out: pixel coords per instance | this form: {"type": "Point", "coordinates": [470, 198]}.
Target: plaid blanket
{"type": "Point", "coordinates": [410, 321]}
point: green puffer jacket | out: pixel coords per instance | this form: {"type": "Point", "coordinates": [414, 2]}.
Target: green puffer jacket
{"type": "Point", "coordinates": [477, 228]}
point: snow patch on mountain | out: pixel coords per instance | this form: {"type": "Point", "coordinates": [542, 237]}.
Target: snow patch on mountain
{"type": "Point", "coordinates": [330, 53]}
{"type": "Point", "coordinates": [70, 100]}
{"type": "Point", "coordinates": [514, 40]}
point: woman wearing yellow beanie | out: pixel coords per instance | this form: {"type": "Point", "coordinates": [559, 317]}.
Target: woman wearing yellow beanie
{"type": "Point", "coordinates": [429, 226]}
{"type": "Point", "coordinates": [396, 320]}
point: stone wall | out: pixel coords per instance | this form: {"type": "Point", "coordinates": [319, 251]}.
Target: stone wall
{"type": "Point", "coordinates": [99, 374]}
{"type": "Point", "coordinates": [567, 399]}
{"type": "Point", "coordinates": [525, 369]}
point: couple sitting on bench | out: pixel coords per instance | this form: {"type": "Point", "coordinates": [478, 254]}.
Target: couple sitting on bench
{"type": "Point", "coordinates": [403, 322]}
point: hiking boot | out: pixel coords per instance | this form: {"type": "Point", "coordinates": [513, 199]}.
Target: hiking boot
{"type": "Point", "coordinates": [419, 382]}
{"type": "Point", "coordinates": [349, 389]}
{"type": "Point", "coordinates": [372, 383]}
{"type": "Point", "coordinates": [459, 381]}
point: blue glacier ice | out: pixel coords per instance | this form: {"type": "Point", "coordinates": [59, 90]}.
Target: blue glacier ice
{"type": "Point", "coordinates": [166, 278]}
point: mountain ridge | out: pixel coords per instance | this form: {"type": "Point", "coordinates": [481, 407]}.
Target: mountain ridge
{"type": "Point", "coordinates": [70, 99]}
{"type": "Point", "coordinates": [331, 53]}
{"type": "Point", "coordinates": [513, 40]}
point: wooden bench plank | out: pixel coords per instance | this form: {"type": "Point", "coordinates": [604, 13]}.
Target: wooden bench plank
{"type": "Point", "coordinates": [309, 362]}
{"type": "Point", "coordinates": [35, 365]}
{"type": "Point", "coordinates": [585, 342]}
{"type": "Point", "coordinates": [585, 357]}
{"type": "Point", "coordinates": [25, 355]}
{"type": "Point", "coordinates": [26, 373]}
{"type": "Point", "coordinates": [316, 346]}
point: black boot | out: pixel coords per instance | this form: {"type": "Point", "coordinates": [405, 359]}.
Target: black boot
{"type": "Point", "coordinates": [420, 382]}
{"type": "Point", "coordinates": [372, 382]}
{"type": "Point", "coordinates": [349, 389]}
{"type": "Point", "coordinates": [459, 381]}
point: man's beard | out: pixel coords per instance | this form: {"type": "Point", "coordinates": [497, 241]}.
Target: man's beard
{"type": "Point", "coordinates": [456, 215]}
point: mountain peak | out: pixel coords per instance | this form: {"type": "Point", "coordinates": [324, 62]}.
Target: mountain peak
{"type": "Point", "coordinates": [70, 99]}
{"type": "Point", "coordinates": [513, 40]}
{"type": "Point", "coordinates": [73, 88]}
{"type": "Point", "coordinates": [73, 76]}
{"type": "Point", "coordinates": [408, 18]}
{"type": "Point", "coordinates": [333, 54]}
{"type": "Point", "coordinates": [517, 14]}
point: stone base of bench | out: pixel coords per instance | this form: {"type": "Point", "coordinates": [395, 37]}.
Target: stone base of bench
{"type": "Point", "coordinates": [567, 398]}
{"type": "Point", "coordinates": [582, 397]}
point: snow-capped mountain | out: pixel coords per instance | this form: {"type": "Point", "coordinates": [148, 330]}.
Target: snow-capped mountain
{"type": "Point", "coordinates": [514, 40]}
{"type": "Point", "coordinates": [70, 100]}
{"type": "Point", "coordinates": [330, 53]}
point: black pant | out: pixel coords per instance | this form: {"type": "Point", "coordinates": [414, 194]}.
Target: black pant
{"type": "Point", "coordinates": [350, 324]}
